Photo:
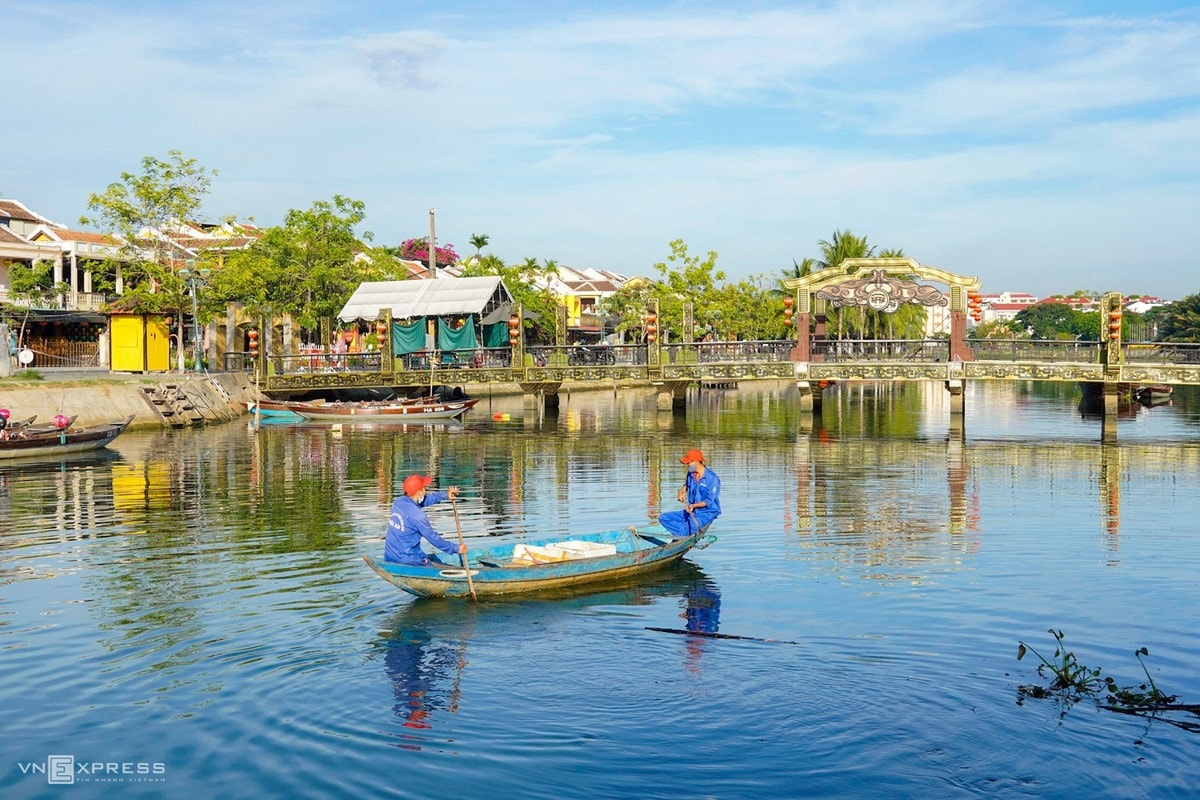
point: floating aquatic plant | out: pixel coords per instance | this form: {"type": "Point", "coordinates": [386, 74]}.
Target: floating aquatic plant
{"type": "Point", "coordinates": [1071, 681]}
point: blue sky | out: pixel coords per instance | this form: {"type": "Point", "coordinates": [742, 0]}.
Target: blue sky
{"type": "Point", "coordinates": [1044, 146]}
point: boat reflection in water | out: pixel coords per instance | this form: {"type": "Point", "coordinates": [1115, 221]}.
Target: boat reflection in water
{"type": "Point", "coordinates": [425, 644]}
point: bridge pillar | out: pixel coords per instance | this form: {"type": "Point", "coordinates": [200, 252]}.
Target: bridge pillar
{"type": "Point", "coordinates": [671, 394]}
{"type": "Point", "coordinates": [957, 404]}
{"type": "Point", "coordinates": [541, 395]}
{"type": "Point", "coordinates": [810, 396]}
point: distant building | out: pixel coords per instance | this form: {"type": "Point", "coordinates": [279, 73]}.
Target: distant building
{"type": "Point", "coordinates": [582, 291]}
{"type": "Point", "coordinates": [1005, 306]}
{"type": "Point", "coordinates": [1140, 305]}
{"type": "Point", "coordinates": [1077, 302]}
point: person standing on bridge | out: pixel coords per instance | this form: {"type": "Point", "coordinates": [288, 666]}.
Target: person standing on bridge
{"type": "Point", "coordinates": [700, 494]}
{"type": "Point", "coordinates": [408, 525]}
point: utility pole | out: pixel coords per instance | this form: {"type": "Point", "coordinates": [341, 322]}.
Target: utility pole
{"type": "Point", "coordinates": [432, 246]}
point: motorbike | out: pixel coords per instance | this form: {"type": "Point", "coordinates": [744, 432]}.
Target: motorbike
{"type": "Point", "coordinates": [599, 354]}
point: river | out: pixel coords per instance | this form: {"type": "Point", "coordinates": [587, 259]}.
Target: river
{"type": "Point", "coordinates": [188, 613]}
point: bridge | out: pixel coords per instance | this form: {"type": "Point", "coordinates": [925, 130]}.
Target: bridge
{"type": "Point", "coordinates": [812, 360]}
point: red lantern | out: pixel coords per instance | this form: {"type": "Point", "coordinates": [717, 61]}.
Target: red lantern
{"type": "Point", "coordinates": [61, 421]}
{"type": "Point", "coordinates": [380, 331]}
{"type": "Point", "coordinates": [4, 412]}
{"type": "Point", "coordinates": [252, 334]}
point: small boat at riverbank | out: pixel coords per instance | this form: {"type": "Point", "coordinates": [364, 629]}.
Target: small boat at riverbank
{"type": "Point", "coordinates": [60, 441]}
{"type": "Point", "coordinates": [524, 567]}
{"type": "Point", "coordinates": [422, 408]}
{"type": "Point", "coordinates": [1154, 394]}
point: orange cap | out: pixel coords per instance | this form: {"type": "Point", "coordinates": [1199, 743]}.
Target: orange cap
{"type": "Point", "coordinates": [692, 455]}
{"type": "Point", "coordinates": [415, 483]}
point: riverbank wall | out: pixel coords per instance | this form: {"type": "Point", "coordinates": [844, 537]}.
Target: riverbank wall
{"type": "Point", "coordinates": [155, 401]}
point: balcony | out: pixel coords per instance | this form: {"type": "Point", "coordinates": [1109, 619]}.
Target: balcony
{"type": "Point", "coordinates": [79, 301]}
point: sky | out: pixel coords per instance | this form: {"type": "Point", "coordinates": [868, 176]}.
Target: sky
{"type": "Point", "coordinates": [1045, 146]}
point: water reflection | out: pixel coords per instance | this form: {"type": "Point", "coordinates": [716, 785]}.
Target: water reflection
{"type": "Point", "coordinates": [304, 488]}
{"type": "Point", "coordinates": [426, 644]}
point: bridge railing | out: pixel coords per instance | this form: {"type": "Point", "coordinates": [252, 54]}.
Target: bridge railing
{"type": "Point", "coordinates": [478, 357]}
{"type": "Point", "coordinates": [1162, 353]}
{"type": "Point", "coordinates": [718, 352]}
{"type": "Point", "coordinates": [583, 355]}
{"type": "Point", "coordinates": [1057, 350]}
{"type": "Point", "coordinates": [836, 350]}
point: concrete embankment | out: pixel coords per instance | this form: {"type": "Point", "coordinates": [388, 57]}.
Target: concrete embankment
{"type": "Point", "coordinates": [153, 401]}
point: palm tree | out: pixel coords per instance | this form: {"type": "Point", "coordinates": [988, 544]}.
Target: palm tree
{"type": "Point", "coordinates": [908, 321]}
{"type": "Point", "coordinates": [479, 241]}
{"type": "Point", "coordinates": [800, 269]}
{"type": "Point", "coordinates": [845, 245]}
{"type": "Point", "coordinates": [1179, 321]}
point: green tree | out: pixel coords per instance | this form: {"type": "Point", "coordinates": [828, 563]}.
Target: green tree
{"type": "Point", "coordinates": [686, 278]}
{"type": "Point", "coordinates": [1049, 321]}
{"type": "Point", "coordinates": [750, 310]}
{"type": "Point", "coordinates": [479, 241]}
{"type": "Point", "coordinates": [1178, 321]}
{"type": "Point", "coordinates": [628, 305]}
{"type": "Point", "coordinates": [841, 246]}
{"type": "Point", "coordinates": [308, 267]}
{"type": "Point", "coordinates": [140, 209]}
{"type": "Point", "coordinates": [528, 284]}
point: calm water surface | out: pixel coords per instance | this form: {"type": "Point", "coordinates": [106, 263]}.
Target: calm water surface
{"type": "Point", "coordinates": [191, 609]}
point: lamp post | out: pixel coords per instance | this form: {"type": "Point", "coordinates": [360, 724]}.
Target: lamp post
{"type": "Point", "coordinates": [195, 279]}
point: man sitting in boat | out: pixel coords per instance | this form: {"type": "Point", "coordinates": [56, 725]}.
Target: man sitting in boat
{"type": "Point", "coordinates": [409, 524]}
{"type": "Point", "coordinates": [701, 496]}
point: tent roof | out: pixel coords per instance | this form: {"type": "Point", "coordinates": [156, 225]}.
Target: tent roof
{"type": "Point", "coordinates": [426, 298]}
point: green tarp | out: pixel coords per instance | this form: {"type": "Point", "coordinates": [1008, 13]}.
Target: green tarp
{"type": "Point", "coordinates": [408, 338]}
{"type": "Point", "coordinates": [449, 339]}
{"type": "Point", "coordinates": [495, 335]}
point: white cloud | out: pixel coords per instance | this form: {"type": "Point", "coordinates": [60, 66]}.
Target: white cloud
{"type": "Point", "coordinates": [954, 129]}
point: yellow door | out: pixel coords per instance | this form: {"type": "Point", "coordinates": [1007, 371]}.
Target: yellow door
{"type": "Point", "coordinates": [128, 343]}
{"type": "Point", "coordinates": [158, 345]}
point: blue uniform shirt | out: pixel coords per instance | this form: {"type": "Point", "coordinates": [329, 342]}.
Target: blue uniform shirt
{"type": "Point", "coordinates": [407, 525]}
{"type": "Point", "coordinates": [706, 490]}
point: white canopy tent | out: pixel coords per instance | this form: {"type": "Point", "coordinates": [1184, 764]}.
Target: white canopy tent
{"type": "Point", "coordinates": [426, 298]}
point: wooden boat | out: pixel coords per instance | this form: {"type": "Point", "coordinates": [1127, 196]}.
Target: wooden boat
{"type": "Point", "coordinates": [50, 427]}
{"type": "Point", "coordinates": [422, 408]}
{"type": "Point", "coordinates": [268, 410]}
{"type": "Point", "coordinates": [19, 424]}
{"type": "Point", "coordinates": [62, 441]}
{"type": "Point", "coordinates": [1153, 394]}
{"type": "Point", "coordinates": [548, 565]}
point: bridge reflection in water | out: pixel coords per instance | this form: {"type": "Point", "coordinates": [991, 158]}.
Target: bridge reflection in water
{"type": "Point", "coordinates": [671, 369]}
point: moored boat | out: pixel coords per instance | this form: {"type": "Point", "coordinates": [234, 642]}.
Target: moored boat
{"type": "Point", "coordinates": [1153, 394]}
{"type": "Point", "coordinates": [423, 408]}
{"type": "Point", "coordinates": [26, 444]}
{"type": "Point", "coordinates": [523, 567]}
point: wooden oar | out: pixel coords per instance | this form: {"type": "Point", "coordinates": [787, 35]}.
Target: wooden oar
{"type": "Point", "coordinates": [463, 556]}
{"type": "Point", "coordinates": [714, 635]}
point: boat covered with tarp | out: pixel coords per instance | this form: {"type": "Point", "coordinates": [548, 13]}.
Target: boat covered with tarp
{"type": "Point", "coordinates": [526, 566]}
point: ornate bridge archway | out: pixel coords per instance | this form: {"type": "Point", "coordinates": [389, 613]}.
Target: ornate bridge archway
{"type": "Point", "coordinates": [882, 284]}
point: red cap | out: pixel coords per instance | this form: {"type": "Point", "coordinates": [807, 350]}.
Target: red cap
{"type": "Point", "coordinates": [691, 455]}
{"type": "Point", "coordinates": [415, 483]}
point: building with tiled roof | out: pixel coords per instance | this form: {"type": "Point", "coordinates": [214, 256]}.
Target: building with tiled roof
{"type": "Point", "coordinates": [582, 291]}
{"type": "Point", "coordinates": [18, 218]}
